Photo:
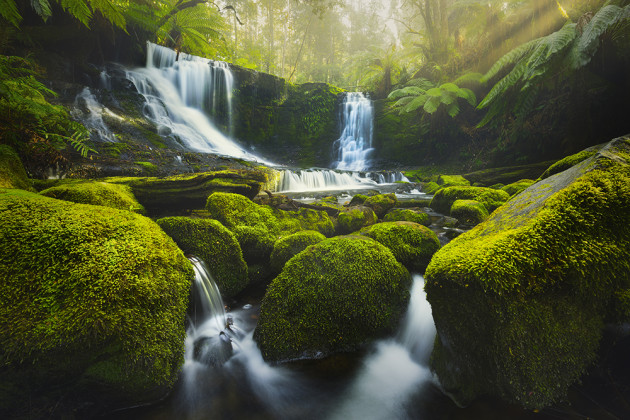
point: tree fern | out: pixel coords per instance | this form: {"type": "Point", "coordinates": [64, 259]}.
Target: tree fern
{"type": "Point", "coordinates": [510, 59]}
{"type": "Point", "coordinates": [42, 8]}
{"type": "Point", "coordinates": [10, 13]}
{"type": "Point", "coordinates": [430, 98]}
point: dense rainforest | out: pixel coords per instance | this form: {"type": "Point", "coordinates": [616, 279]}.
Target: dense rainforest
{"type": "Point", "coordinates": [327, 209]}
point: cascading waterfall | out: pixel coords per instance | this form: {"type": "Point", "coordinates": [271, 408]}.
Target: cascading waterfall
{"type": "Point", "coordinates": [181, 90]}
{"type": "Point", "coordinates": [355, 143]}
{"type": "Point", "coordinates": [322, 180]}
{"type": "Point", "coordinates": [89, 111]}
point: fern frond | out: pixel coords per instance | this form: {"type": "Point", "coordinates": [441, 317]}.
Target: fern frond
{"type": "Point", "coordinates": [510, 58]}
{"type": "Point", "coordinates": [504, 84]}
{"type": "Point", "coordinates": [453, 109]}
{"type": "Point", "coordinates": [468, 95]}
{"type": "Point", "coordinates": [450, 87]}
{"type": "Point", "coordinates": [432, 104]}
{"type": "Point", "coordinates": [42, 8]}
{"type": "Point", "coordinates": [79, 9]}
{"type": "Point", "coordinates": [588, 44]}
{"type": "Point", "coordinates": [111, 12]}
{"type": "Point", "coordinates": [10, 13]}
{"type": "Point", "coordinates": [416, 103]}
{"type": "Point", "coordinates": [469, 80]}
{"type": "Point", "coordinates": [448, 97]}
{"type": "Point", "coordinates": [526, 101]}
{"type": "Point", "coordinates": [402, 102]}
{"type": "Point", "coordinates": [550, 45]}
{"type": "Point", "coordinates": [435, 92]}
{"type": "Point", "coordinates": [421, 82]}
{"type": "Point", "coordinates": [406, 91]}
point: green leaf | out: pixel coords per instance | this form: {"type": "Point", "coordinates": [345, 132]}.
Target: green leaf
{"type": "Point", "coordinates": [79, 9]}
{"type": "Point", "coordinates": [416, 103]}
{"type": "Point", "coordinates": [42, 8]}
{"type": "Point", "coordinates": [432, 104]}
{"type": "Point", "coordinates": [9, 11]}
{"type": "Point", "coordinates": [436, 92]}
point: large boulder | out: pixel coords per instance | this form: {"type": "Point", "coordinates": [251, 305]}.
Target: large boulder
{"type": "Point", "coordinates": [490, 198]}
{"type": "Point", "coordinates": [215, 245]}
{"type": "Point", "coordinates": [92, 306]}
{"type": "Point", "coordinates": [97, 193]}
{"type": "Point", "coordinates": [469, 212]}
{"type": "Point", "coordinates": [289, 246]}
{"type": "Point", "coordinates": [519, 301]}
{"type": "Point", "coordinates": [335, 296]}
{"type": "Point", "coordinates": [381, 203]}
{"type": "Point", "coordinates": [354, 218]}
{"type": "Point", "coordinates": [412, 244]}
{"type": "Point", "coordinates": [415, 215]}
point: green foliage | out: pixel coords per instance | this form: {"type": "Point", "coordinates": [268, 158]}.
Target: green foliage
{"type": "Point", "coordinates": [25, 113]}
{"type": "Point", "coordinates": [412, 244]}
{"type": "Point", "coordinates": [533, 64]}
{"type": "Point", "coordinates": [213, 244]}
{"type": "Point", "coordinates": [423, 94]}
{"type": "Point", "coordinates": [289, 246]}
{"type": "Point", "coordinates": [335, 296]}
{"type": "Point", "coordinates": [96, 193]}
{"type": "Point", "coordinates": [85, 286]}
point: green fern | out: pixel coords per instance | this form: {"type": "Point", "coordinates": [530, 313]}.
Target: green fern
{"type": "Point", "coordinates": [430, 98]}
{"type": "Point", "coordinates": [10, 13]}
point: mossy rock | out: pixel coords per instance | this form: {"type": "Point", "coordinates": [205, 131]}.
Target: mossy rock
{"type": "Point", "coordinates": [358, 200]}
{"type": "Point", "coordinates": [12, 172]}
{"type": "Point", "coordinates": [97, 193]}
{"type": "Point", "coordinates": [520, 300]}
{"type": "Point", "coordinates": [517, 187]}
{"type": "Point", "coordinates": [305, 219]}
{"type": "Point", "coordinates": [381, 203]}
{"type": "Point", "coordinates": [215, 245]}
{"type": "Point", "coordinates": [469, 212]}
{"type": "Point", "coordinates": [92, 302]}
{"type": "Point", "coordinates": [408, 215]}
{"type": "Point", "coordinates": [287, 247]}
{"type": "Point", "coordinates": [190, 191]}
{"type": "Point", "coordinates": [452, 181]}
{"type": "Point", "coordinates": [412, 244]}
{"type": "Point", "coordinates": [569, 161]}
{"type": "Point", "coordinates": [430, 187]}
{"type": "Point", "coordinates": [491, 199]}
{"type": "Point", "coordinates": [507, 175]}
{"type": "Point", "coordinates": [355, 218]}
{"type": "Point", "coordinates": [335, 296]}
{"type": "Point", "coordinates": [255, 242]}
{"type": "Point", "coordinates": [419, 202]}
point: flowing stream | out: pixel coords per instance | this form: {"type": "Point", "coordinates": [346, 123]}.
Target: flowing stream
{"type": "Point", "coordinates": [327, 179]}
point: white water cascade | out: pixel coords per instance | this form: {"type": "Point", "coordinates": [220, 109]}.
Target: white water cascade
{"type": "Point", "coordinates": [90, 111]}
{"type": "Point", "coordinates": [181, 91]}
{"type": "Point", "coordinates": [326, 179]}
{"type": "Point", "coordinates": [355, 143]}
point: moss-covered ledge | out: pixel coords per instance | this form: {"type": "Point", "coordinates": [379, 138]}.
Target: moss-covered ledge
{"type": "Point", "coordinates": [520, 300]}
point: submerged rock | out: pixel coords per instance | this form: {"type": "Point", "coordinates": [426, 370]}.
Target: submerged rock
{"type": "Point", "coordinates": [412, 244]}
{"type": "Point", "coordinates": [335, 296]}
{"type": "Point", "coordinates": [92, 302]}
{"type": "Point", "coordinates": [519, 301]}
{"type": "Point", "coordinates": [215, 245]}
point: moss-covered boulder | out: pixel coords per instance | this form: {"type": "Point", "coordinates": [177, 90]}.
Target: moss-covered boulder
{"type": "Point", "coordinates": [381, 203]}
{"type": "Point", "coordinates": [97, 193]}
{"type": "Point", "coordinates": [416, 202]}
{"type": "Point", "coordinates": [412, 244]}
{"type": "Point", "coordinates": [335, 296]}
{"type": "Point", "coordinates": [415, 215]}
{"type": "Point", "coordinates": [213, 244]}
{"type": "Point", "coordinates": [358, 200]}
{"type": "Point", "coordinates": [430, 187]}
{"type": "Point", "coordinates": [190, 191]}
{"type": "Point", "coordinates": [287, 247]}
{"type": "Point", "coordinates": [452, 181]}
{"type": "Point", "coordinates": [469, 212]}
{"type": "Point", "coordinates": [516, 187]}
{"type": "Point", "coordinates": [569, 161]}
{"type": "Point", "coordinates": [354, 218]}
{"type": "Point", "coordinates": [490, 198]}
{"type": "Point", "coordinates": [12, 172]}
{"type": "Point", "coordinates": [255, 242]}
{"type": "Point", "coordinates": [92, 303]}
{"type": "Point", "coordinates": [520, 300]}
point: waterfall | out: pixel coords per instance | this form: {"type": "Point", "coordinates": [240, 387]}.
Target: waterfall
{"type": "Point", "coordinates": [355, 143]}
{"type": "Point", "coordinates": [89, 111]}
{"type": "Point", "coordinates": [322, 180]}
{"type": "Point", "coordinates": [397, 369]}
{"type": "Point", "coordinates": [181, 92]}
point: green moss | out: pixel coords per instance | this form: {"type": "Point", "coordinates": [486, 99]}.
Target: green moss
{"type": "Point", "coordinates": [215, 245]}
{"type": "Point", "coordinates": [537, 281]}
{"type": "Point", "coordinates": [420, 203]}
{"type": "Point", "coordinates": [507, 175]}
{"type": "Point", "coordinates": [287, 247]}
{"type": "Point", "coordinates": [305, 219]}
{"type": "Point", "coordinates": [381, 203]}
{"type": "Point", "coordinates": [358, 200]}
{"type": "Point", "coordinates": [12, 173]}
{"type": "Point", "coordinates": [491, 199]}
{"type": "Point", "coordinates": [256, 243]}
{"type": "Point", "coordinates": [335, 296]}
{"type": "Point", "coordinates": [568, 162]}
{"type": "Point", "coordinates": [452, 181]}
{"type": "Point", "coordinates": [469, 212]}
{"type": "Point", "coordinates": [354, 218]}
{"type": "Point", "coordinates": [408, 215]}
{"type": "Point", "coordinates": [430, 187]}
{"type": "Point", "coordinates": [83, 285]}
{"type": "Point", "coordinates": [412, 244]}
{"type": "Point", "coordinates": [517, 187]}
{"type": "Point", "coordinates": [148, 166]}
{"type": "Point", "coordinates": [96, 193]}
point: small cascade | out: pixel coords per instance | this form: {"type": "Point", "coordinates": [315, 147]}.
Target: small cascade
{"type": "Point", "coordinates": [397, 370]}
{"type": "Point", "coordinates": [326, 179]}
{"type": "Point", "coordinates": [182, 91]}
{"type": "Point", "coordinates": [354, 146]}
{"type": "Point", "coordinates": [89, 111]}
